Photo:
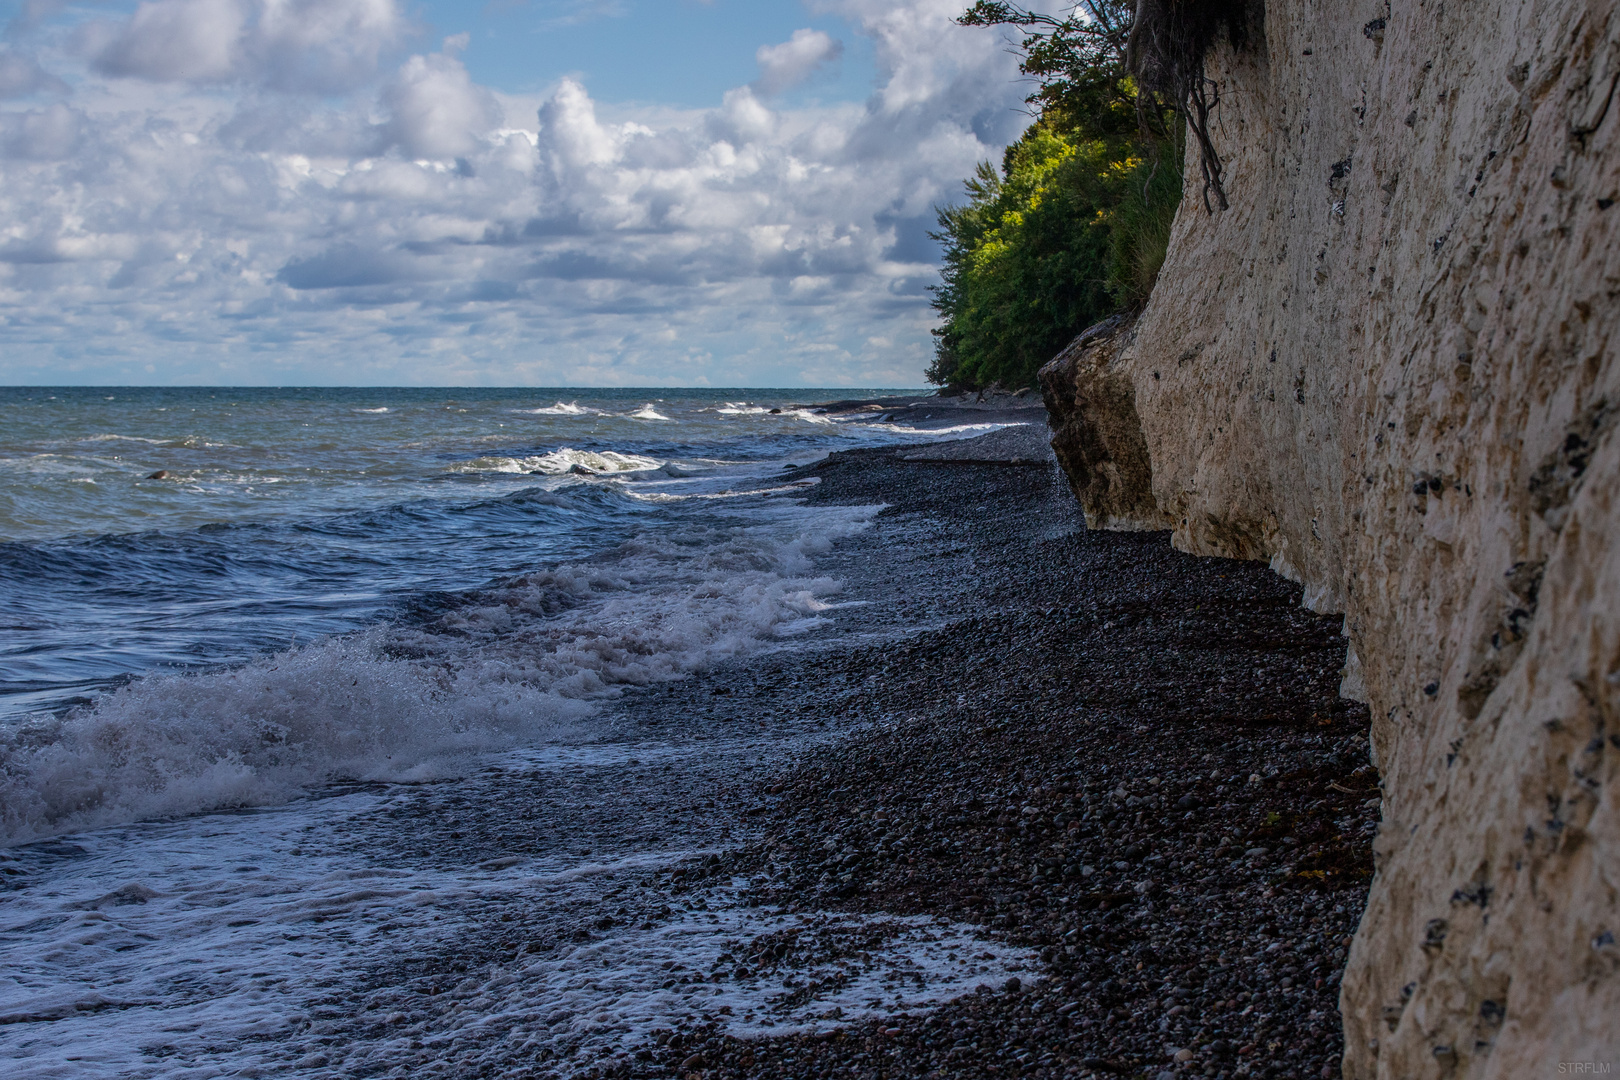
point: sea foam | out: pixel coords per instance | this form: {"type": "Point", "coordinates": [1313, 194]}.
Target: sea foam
{"type": "Point", "coordinates": [561, 461]}
{"type": "Point", "coordinates": [521, 663]}
{"type": "Point", "coordinates": [562, 408]}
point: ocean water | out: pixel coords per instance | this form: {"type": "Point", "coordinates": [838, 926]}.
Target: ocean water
{"type": "Point", "coordinates": [252, 640]}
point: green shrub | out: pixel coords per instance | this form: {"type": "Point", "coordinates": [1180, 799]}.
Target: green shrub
{"type": "Point", "coordinates": [1075, 224]}
{"type": "Point", "coordinates": [1066, 233]}
{"type": "Point", "coordinates": [1140, 225]}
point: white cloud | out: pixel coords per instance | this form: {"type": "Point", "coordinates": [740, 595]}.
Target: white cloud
{"type": "Point", "coordinates": [573, 139]}
{"type": "Point", "coordinates": [309, 46]}
{"type": "Point", "coordinates": [48, 134]}
{"type": "Point", "coordinates": [435, 110]}
{"type": "Point", "coordinates": [174, 40]}
{"type": "Point", "coordinates": [424, 229]}
{"type": "Point", "coordinates": [784, 66]}
{"type": "Point", "coordinates": [21, 75]}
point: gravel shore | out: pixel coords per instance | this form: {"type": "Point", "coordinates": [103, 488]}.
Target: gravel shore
{"type": "Point", "coordinates": [1130, 762]}
{"type": "Point", "coordinates": [1010, 799]}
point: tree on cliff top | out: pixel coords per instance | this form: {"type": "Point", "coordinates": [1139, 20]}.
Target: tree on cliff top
{"type": "Point", "coordinates": [1031, 259]}
{"type": "Point", "coordinates": [1075, 223]}
{"type": "Point", "coordinates": [1078, 62]}
{"type": "Point", "coordinates": [1111, 58]}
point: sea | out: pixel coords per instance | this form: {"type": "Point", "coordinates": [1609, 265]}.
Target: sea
{"type": "Point", "coordinates": [308, 696]}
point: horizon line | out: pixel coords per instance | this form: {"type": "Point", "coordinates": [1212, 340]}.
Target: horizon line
{"type": "Point", "coordinates": [411, 386]}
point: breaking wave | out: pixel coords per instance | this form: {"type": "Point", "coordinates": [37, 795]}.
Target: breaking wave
{"type": "Point", "coordinates": [522, 662]}
{"type": "Point", "coordinates": [743, 408]}
{"type": "Point", "coordinates": [562, 409]}
{"type": "Point", "coordinates": [561, 461]}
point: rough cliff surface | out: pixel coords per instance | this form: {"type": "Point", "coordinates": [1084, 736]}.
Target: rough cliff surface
{"type": "Point", "coordinates": [1390, 369]}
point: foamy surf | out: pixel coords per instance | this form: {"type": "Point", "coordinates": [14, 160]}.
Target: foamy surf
{"type": "Point", "coordinates": [743, 408]}
{"type": "Point", "coordinates": [562, 408]}
{"type": "Point", "coordinates": [791, 488]}
{"type": "Point", "coordinates": [439, 840]}
{"type": "Point", "coordinates": [514, 665]}
{"type": "Point", "coordinates": [310, 941]}
{"type": "Point", "coordinates": [559, 462]}
{"type": "Point", "coordinates": [958, 430]}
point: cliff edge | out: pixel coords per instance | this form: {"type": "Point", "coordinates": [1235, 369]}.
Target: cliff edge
{"type": "Point", "coordinates": [1389, 369]}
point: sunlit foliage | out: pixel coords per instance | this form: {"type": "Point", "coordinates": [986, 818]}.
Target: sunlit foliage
{"type": "Point", "coordinates": [1074, 224]}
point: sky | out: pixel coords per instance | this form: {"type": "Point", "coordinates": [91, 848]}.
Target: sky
{"type": "Point", "coordinates": [496, 192]}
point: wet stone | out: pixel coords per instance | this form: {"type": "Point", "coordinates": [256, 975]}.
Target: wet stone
{"type": "Point", "coordinates": [1008, 752]}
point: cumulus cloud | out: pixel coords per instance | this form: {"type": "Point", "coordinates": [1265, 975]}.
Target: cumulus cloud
{"type": "Point", "coordinates": [310, 46]}
{"type": "Point", "coordinates": [178, 40]}
{"type": "Point", "coordinates": [436, 110]}
{"type": "Point", "coordinates": [425, 229]}
{"type": "Point", "coordinates": [21, 75]}
{"type": "Point", "coordinates": [49, 134]}
{"type": "Point", "coordinates": [784, 66]}
{"type": "Point", "coordinates": [573, 139]}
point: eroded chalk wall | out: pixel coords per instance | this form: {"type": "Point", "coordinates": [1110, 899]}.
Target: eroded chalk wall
{"type": "Point", "coordinates": [1390, 369]}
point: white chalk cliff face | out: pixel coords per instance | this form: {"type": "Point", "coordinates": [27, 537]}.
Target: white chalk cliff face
{"type": "Point", "coordinates": [1391, 369]}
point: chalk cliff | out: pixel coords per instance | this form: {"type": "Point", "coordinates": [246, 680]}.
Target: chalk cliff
{"type": "Point", "coordinates": [1390, 369]}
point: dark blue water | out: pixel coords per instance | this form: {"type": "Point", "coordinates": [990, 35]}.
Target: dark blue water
{"type": "Point", "coordinates": [158, 529]}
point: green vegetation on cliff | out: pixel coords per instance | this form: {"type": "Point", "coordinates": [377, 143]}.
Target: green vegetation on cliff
{"type": "Point", "coordinates": [1074, 224]}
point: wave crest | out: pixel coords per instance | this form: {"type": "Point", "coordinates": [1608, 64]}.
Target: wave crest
{"type": "Point", "coordinates": [562, 461]}
{"type": "Point", "coordinates": [569, 408]}
{"type": "Point", "coordinates": [525, 662]}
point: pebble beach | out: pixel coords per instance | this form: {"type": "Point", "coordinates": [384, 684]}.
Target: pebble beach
{"type": "Point", "coordinates": [870, 763]}
{"type": "Point", "coordinates": [1131, 765]}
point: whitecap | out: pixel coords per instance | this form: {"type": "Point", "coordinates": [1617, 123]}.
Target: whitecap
{"type": "Point", "coordinates": [383, 409]}
{"type": "Point", "coordinates": [562, 461]}
{"type": "Point", "coordinates": [792, 487]}
{"type": "Point", "coordinates": [194, 442]}
{"type": "Point", "coordinates": [807, 416]}
{"type": "Point", "coordinates": [648, 412]}
{"type": "Point", "coordinates": [959, 429]}
{"type": "Point", "coordinates": [570, 408]}
{"type": "Point", "coordinates": [742, 408]}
